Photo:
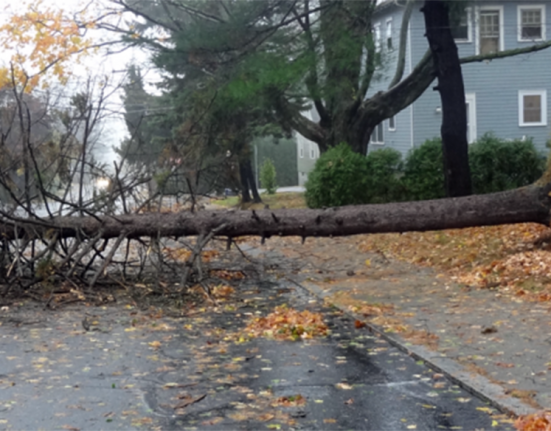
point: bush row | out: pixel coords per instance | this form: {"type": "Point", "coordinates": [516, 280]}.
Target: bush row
{"type": "Point", "coordinates": [342, 177]}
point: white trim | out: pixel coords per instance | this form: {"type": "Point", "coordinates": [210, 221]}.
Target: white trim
{"type": "Point", "coordinates": [470, 98]}
{"type": "Point", "coordinates": [521, 94]}
{"type": "Point", "coordinates": [389, 35]}
{"type": "Point", "coordinates": [392, 129]}
{"type": "Point", "coordinates": [411, 135]}
{"type": "Point", "coordinates": [377, 36]}
{"type": "Point", "coordinates": [477, 27]}
{"type": "Point", "coordinates": [469, 39]}
{"type": "Point", "coordinates": [520, 8]}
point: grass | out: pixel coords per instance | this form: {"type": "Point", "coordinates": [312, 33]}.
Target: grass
{"type": "Point", "coordinates": [275, 201]}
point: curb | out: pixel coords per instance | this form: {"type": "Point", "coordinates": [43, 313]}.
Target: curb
{"type": "Point", "coordinates": [475, 384]}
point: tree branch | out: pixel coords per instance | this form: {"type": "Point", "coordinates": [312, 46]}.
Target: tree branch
{"type": "Point", "coordinates": [400, 66]}
{"type": "Point", "coordinates": [292, 117]}
{"type": "Point", "coordinates": [506, 53]}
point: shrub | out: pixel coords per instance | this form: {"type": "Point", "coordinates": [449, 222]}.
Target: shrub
{"type": "Point", "coordinates": [498, 165]}
{"type": "Point", "coordinates": [268, 177]}
{"type": "Point", "coordinates": [385, 168]}
{"type": "Point", "coordinates": [340, 177]}
{"type": "Point", "coordinates": [424, 173]}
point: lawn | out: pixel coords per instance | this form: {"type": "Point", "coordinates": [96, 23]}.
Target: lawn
{"type": "Point", "coordinates": [275, 201]}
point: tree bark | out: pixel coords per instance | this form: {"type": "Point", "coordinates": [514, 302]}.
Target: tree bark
{"type": "Point", "coordinates": [245, 194]}
{"type": "Point", "coordinates": [248, 183]}
{"type": "Point", "coordinates": [526, 204]}
{"type": "Point", "coordinates": [447, 68]}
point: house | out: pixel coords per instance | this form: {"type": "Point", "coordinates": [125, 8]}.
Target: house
{"type": "Point", "coordinates": [307, 151]}
{"type": "Point", "coordinates": [508, 96]}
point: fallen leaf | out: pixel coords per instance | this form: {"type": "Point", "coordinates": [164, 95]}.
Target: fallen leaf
{"type": "Point", "coordinates": [359, 324]}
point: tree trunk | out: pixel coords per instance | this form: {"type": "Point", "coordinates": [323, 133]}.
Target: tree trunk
{"type": "Point", "coordinates": [252, 181]}
{"type": "Point", "coordinates": [248, 182]}
{"type": "Point", "coordinates": [245, 194]}
{"type": "Point", "coordinates": [526, 204]}
{"type": "Point", "coordinates": [455, 148]}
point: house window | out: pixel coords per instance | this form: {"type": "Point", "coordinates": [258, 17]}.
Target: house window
{"type": "Point", "coordinates": [490, 30]}
{"type": "Point", "coordinates": [389, 34]}
{"type": "Point", "coordinates": [378, 137]}
{"type": "Point", "coordinates": [461, 29]}
{"type": "Point", "coordinates": [312, 151]}
{"type": "Point", "coordinates": [531, 23]}
{"type": "Point", "coordinates": [532, 107]}
{"type": "Point", "coordinates": [377, 31]}
{"type": "Point", "coordinates": [392, 124]}
{"type": "Point", "coordinates": [301, 150]}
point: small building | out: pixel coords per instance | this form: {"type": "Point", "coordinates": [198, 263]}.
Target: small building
{"type": "Point", "coordinates": [307, 152]}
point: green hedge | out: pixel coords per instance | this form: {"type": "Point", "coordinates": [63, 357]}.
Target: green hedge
{"type": "Point", "coordinates": [338, 178]}
{"type": "Point", "coordinates": [342, 177]}
{"type": "Point", "coordinates": [424, 173]}
{"type": "Point", "coordinates": [498, 165]}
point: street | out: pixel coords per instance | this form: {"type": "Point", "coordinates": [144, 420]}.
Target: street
{"type": "Point", "coordinates": [142, 370]}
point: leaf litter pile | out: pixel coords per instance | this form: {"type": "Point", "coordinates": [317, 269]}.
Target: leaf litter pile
{"type": "Point", "coordinates": [286, 323]}
{"type": "Point", "coordinates": [513, 258]}
{"type": "Point", "coordinates": [534, 422]}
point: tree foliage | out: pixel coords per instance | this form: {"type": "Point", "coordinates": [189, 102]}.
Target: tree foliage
{"type": "Point", "coordinates": [42, 41]}
{"type": "Point", "coordinates": [268, 177]}
{"type": "Point", "coordinates": [340, 177]}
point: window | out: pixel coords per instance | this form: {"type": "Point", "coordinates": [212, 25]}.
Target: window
{"type": "Point", "coordinates": [490, 30]}
{"type": "Point", "coordinates": [531, 23]}
{"type": "Point", "coordinates": [392, 124]}
{"type": "Point", "coordinates": [389, 34]}
{"type": "Point", "coordinates": [377, 33]}
{"type": "Point", "coordinates": [377, 137]}
{"type": "Point", "coordinates": [301, 149]}
{"type": "Point", "coordinates": [461, 30]}
{"type": "Point", "coordinates": [532, 108]}
{"type": "Point", "coordinates": [312, 151]}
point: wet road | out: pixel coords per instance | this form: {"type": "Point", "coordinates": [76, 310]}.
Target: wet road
{"type": "Point", "coordinates": [137, 370]}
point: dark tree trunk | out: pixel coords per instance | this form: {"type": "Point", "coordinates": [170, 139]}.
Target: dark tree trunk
{"type": "Point", "coordinates": [252, 182]}
{"type": "Point", "coordinates": [245, 194]}
{"type": "Point", "coordinates": [248, 182]}
{"type": "Point", "coordinates": [527, 204]}
{"type": "Point", "coordinates": [452, 92]}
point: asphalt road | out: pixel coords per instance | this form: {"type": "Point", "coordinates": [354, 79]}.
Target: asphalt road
{"type": "Point", "coordinates": [140, 370]}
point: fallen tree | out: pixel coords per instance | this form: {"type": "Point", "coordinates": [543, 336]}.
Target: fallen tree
{"type": "Point", "coordinates": [526, 204]}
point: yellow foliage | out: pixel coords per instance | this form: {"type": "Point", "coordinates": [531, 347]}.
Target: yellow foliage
{"type": "Point", "coordinates": [41, 41]}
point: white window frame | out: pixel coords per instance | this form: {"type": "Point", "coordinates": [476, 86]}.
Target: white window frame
{"type": "Point", "coordinates": [477, 27]}
{"type": "Point", "coordinates": [470, 99]}
{"type": "Point", "coordinates": [381, 125]}
{"type": "Point", "coordinates": [312, 151]}
{"type": "Point", "coordinates": [521, 94]}
{"type": "Point", "coordinates": [391, 128]}
{"type": "Point", "coordinates": [377, 36]}
{"type": "Point", "coordinates": [469, 39]}
{"type": "Point", "coordinates": [389, 35]}
{"type": "Point", "coordinates": [520, 8]}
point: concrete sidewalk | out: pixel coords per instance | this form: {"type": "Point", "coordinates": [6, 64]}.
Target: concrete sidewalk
{"type": "Point", "coordinates": [496, 345]}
